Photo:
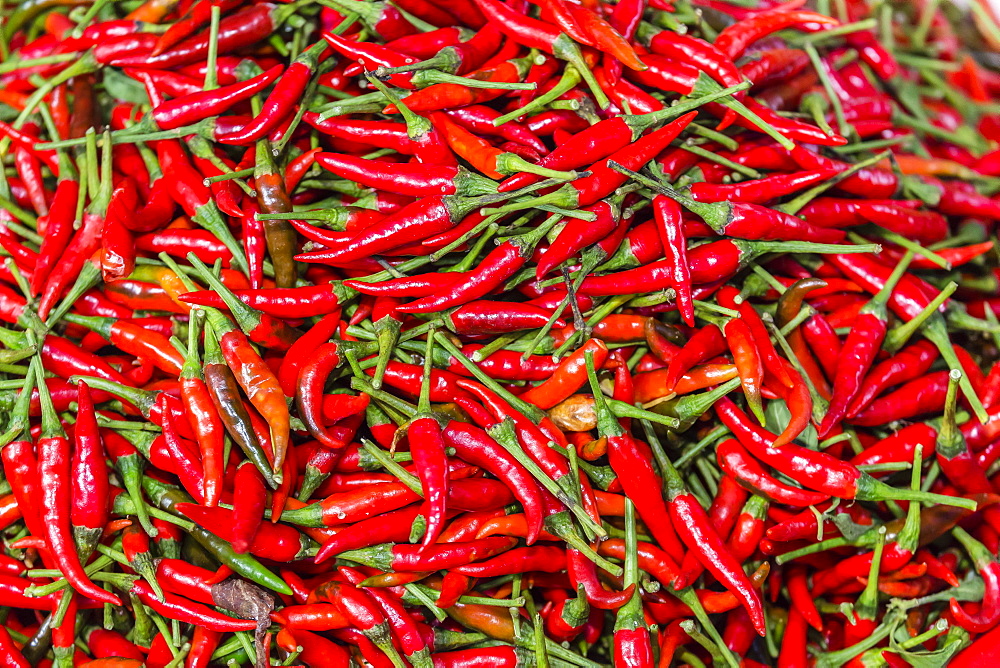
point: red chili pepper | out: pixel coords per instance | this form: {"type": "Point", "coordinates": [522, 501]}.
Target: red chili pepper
{"type": "Point", "coordinates": [568, 378]}
{"type": "Point", "coordinates": [203, 418]}
{"type": "Point", "coordinates": [416, 222]}
{"type": "Point", "coordinates": [596, 142]}
{"type": "Point", "coordinates": [406, 179]}
{"type": "Point", "coordinates": [583, 574]}
{"type": "Point", "coordinates": [763, 190]}
{"type": "Point", "coordinates": [309, 391]}
{"type": "Point", "coordinates": [248, 506]}
{"type": "Point", "coordinates": [859, 350]}
{"type": "Point", "coordinates": [198, 15]}
{"type": "Point", "coordinates": [90, 489]}
{"type": "Point", "coordinates": [190, 109]}
{"type": "Point", "coordinates": [817, 470]}
{"type": "Point", "coordinates": [54, 466]}
{"type": "Point", "coordinates": [735, 39]}
{"type": "Point", "coordinates": [706, 57]}
{"type": "Point", "coordinates": [135, 340]}
{"type": "Point", "coordinates": [499, 265]}
{"type": "Point", "coordinates": [241, 29]}
{"type": "Point", "coordinates": [737, 463]}
{"type": "Point", "coordinates": [474, 446]}
{"type": "Point", "coordinates": [280, 102]}
{"type": "Point", "coordinates": [352, 506]}
{"type": "Point", "coordinates": [917, 397]}
{"type": "Point", "coordinates": [9, 652]}
{"type": "Point", "coordinates": [393, 527]}
{"type": "Point", "coordinates": [427, 445]}
{"type": "Point", "coordinates": [898, 447]}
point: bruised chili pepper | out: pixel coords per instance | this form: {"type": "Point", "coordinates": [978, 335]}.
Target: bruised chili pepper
{"type": "Point", "coordinates": [225, 395]}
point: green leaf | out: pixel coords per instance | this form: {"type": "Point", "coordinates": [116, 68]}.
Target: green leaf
{"type": "Point", "coordinates": [776, 418]}
{"type": "Point", "coordinates": [122, 87]}
{"type": "Point", "coordinates": [955, 641]}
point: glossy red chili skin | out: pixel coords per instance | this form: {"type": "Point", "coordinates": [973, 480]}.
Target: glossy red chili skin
{"type": "Point", "coordinates": [575, 237]}
{"type": "Point", "coordinates": [274, 541]}
{"type": "Point", "coordinates": [91, 486]}
{"type": "Point", "coordinates": [509, 365]}
{"type": "Point", "coordinates": [631, 460]}
{"type": "Point", "coordinates": [597, 142]}
{"type": "Point", "coordinates": [917, 397]}
{"type": "Point", "coordinates": [241, 29]}
{"type": "Point", "coordinates": [899, 447]}
{"type": "Point", "coordinates": [736, 462]}
{"type": "Point", "coordinates": [583, 574]}
{"type": "Point", "coordinates": [488, 317]}
{"type": "Point", "coordinates": [499, 265]}
{"type": "Point", "coordinates": [820, 471]}
{"type": "Point", "coordinates": [633, 648]}
{"type": "Point", "coordinates": [476, 447]}
{"type": "Point", "coordinates": [198, 106]}
{"type": "Point", "coordinates": [54, 484]}
{"type": "Point", "coordinates": [391, 527]}
{"type": "Point", "coordinates": [407, 377]}
{"type": "Point", "coordinates": [707, 263]}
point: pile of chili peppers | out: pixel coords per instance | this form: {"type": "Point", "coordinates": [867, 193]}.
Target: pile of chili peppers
{"type": "Point", "coordinates": [464, 333]}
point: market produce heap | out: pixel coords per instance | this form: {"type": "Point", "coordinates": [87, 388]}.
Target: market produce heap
{"type": "Point", "coordinates": [468, 333]}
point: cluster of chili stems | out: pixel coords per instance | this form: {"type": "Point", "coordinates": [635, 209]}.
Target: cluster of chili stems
{"type": "Point", "coordinates": [476, 332]}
